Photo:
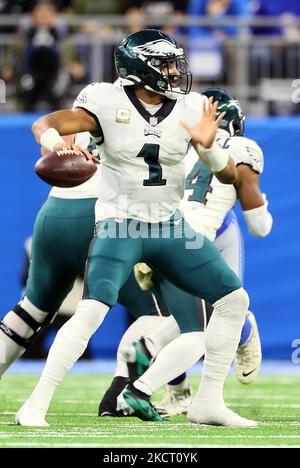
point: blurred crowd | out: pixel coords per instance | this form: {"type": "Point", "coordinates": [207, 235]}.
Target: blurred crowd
{"type": "Point", "coordinates": [42, 62]}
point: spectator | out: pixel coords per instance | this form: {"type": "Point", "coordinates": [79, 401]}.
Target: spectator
{"type": "Point", "coordinates": [26, 6]}
{"type": "Point", "coordinates": [19, 7]}
{"type": "Point", "coordinates": [96, 7]}
{"type": "Point", "coordinates": [41, 63]}
{"type": "Point", "coordinates": [138, 10]}
{"type": "Point", "coordinates": [217, 9]}
{"type": "Point", "coordinates": [287, 9]}
{"type": "Point", "coordinates": [276, 62]}
{"type": "Point", "coordinates": [207, 57]}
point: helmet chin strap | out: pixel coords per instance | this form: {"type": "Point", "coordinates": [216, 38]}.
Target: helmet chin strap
{"type": "Point", "coordinates": [126, 82]}
{"type": "Point", "coordinates": [171, 95]}
{"type": "Point", "coordinates": [167, 94]}
{"type": "Point", "coordinates": [231, 129]}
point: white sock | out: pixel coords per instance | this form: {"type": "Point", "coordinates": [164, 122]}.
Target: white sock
{"type": "Point", "coordinates": [10, 351]}
{"type": "Point", "coordinates": [222, 338]}
{"type": "Point", "coordinates": [177, 357]}
{"type": "Point", "coordinates": [161, 335]}
{"type": "Point", "coordinates": [139, 328]}
{"type": "Point", "coordinates": [69, 344]}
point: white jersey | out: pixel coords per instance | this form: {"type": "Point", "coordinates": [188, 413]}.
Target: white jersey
{"type": "Point", "coordinates": [206, 200]}
{"type": "Point", "coordinates": [142, 171]}
{"type": "Point", "coordinates": [90, 188]}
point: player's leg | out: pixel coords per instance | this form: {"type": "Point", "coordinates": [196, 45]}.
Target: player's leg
{"type": "Point", "coordinates": [249, 355]}
{"type": "Point", "coordinates": [164, 329]}
{"type": "Point", "coordinates": [110, 261]}
{"type": "Point", "coordinates": [186, 334]}
{"type": "Point", "coordinates": [189, 311]}
{"type": "Point", "coordinates": [52, 272]}
{"type": "Point", "coordinates": [147, 311]}
{"type": "Point", "coordinates": [207, 275]}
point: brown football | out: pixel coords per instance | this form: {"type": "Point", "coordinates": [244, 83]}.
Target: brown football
{"type": "Point", "coordinates": [65, 168]}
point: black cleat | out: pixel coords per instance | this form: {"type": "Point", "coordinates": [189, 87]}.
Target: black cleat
{"type": "Point", "coordinates": [108, 405]}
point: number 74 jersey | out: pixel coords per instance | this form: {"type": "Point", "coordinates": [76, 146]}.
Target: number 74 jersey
{"type": "Point", "coordinates": [142, 172]}
{"type": "Point", "coordinates": [206, 200]}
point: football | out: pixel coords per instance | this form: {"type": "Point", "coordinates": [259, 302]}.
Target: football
{"type": "Point", "coordinates": [65, 168]}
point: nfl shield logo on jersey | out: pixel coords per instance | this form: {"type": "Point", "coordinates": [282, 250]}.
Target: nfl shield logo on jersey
{"type": "Point", "coordinates": [153, 121]}
{"type": "Point", "coordinates": [123, 116]}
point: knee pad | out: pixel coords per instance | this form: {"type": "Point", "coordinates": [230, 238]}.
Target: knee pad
{"type": "Point", "coordinates": [90, 313]}
{"type": "Point", "coordinates": [241, 299]}
{"type": "Point", "coordinates": [236, 304]}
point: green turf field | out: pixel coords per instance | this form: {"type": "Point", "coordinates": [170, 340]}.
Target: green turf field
{"type": "Point", "coordinates": [274, 401]}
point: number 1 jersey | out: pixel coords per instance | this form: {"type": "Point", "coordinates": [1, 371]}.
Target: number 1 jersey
{"type": "Point", "coordinates": [142, 173]}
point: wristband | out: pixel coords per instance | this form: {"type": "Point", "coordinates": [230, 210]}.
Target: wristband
{"type": "Point", "coordinates": [50, 138]}
{"type": "Point", "coordinates": [215, 158]}
{"type": "Point", "coordinates": [259, 220]}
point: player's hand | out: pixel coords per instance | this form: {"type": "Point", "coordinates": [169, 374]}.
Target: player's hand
{"type": "Point", "coordinates": [77, 150]}
{"type": "Point", "coordinates": [204, 132]}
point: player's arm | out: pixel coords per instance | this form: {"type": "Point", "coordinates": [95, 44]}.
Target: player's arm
{"type": "Point", "coordinates": [254, 203]}
{"type": "Point", "coordinates": [49, 129]}
{"type": "Point", "coordinates": [204, 141]}
{"type": "Point", "coordinates": [69, 139]}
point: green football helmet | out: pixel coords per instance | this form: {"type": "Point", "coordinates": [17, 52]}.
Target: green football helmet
{"type": "Point", "coordinates": [148, 58]}
{"type": "Point", "coordinates": [234, 120]}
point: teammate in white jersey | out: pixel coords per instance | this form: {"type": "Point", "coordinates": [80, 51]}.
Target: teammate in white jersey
{"type": "Point", "coordinates": [141, 185]}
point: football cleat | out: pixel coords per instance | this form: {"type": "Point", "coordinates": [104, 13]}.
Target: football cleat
{"type": "Point", "coordinates": [133, 402]}
{"type": "Point", "coordinates": [248, 357]}
{"type": "Point", "coordinates": [108, 404]}
{"type": "Point", "coordinates": [138, 359]}
{"type": "Point", "coordinates": [217, 415]}
{"type": "Point", "coordinates": [175, 402]}
{"type": "Point", "coordinates": [31, 416]}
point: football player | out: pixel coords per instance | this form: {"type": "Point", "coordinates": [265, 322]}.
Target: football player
{"type": "Point", "coordinates": [145, 129]}
{"type": "Point", "coordinates": [207, 206]}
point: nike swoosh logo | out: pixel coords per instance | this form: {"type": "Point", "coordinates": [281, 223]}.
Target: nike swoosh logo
{"type": "Point", "coordinates": [249, 373]}
{"type": "Point", "coordinates": [177, 222]}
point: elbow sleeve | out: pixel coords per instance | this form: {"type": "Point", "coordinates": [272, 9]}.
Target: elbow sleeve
{"type": "Point", "coordinates": [259, 221]}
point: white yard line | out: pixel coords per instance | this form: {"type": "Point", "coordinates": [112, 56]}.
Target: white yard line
{"type": "Point", "coordinates": [285, 421]}
{"type": "Point", "coordinates": [104, 435]}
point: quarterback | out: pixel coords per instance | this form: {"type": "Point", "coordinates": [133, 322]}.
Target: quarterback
{"type": "Point", "coordinates": [207, 206]}
{"type": "Point", "coordinates": [145, 129]}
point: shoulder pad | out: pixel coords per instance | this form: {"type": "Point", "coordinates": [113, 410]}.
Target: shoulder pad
{"type": "Point", "coordinates": [93, 94]}
{"type": "Point", "coordinates": [193, 107]}
{"type": "Point", "coordinates": [246, 151]}
{"type": "Point", "coordinates": [194, 101]}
